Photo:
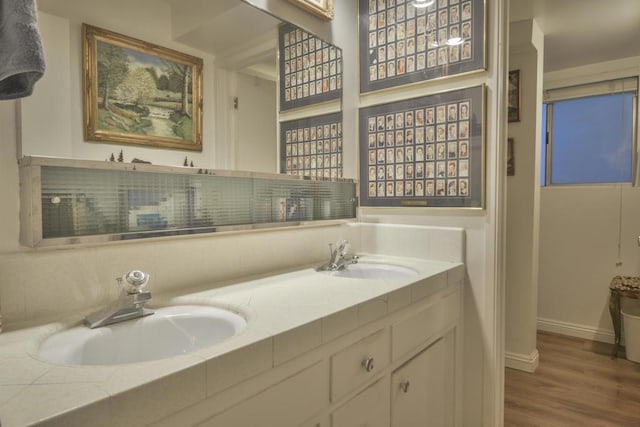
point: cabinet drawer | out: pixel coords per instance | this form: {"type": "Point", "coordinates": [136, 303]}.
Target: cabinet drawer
{"type": "Point", "coordinates": [359, 362]}
{"type": "Point", "coordinates": [370, 408]}
{"type": "Point", "coordinates": [286, 404]}
{"type": "Point", "coordinates": [413, 331]}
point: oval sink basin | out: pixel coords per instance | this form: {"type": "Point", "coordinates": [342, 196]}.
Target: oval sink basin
{"type": "Point", "coordinates": [170, 331]}
{"type": "Point", "coordinates": [370, 270]}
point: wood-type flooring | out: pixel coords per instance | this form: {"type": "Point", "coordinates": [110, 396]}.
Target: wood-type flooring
{"type": "Point", "coordinates": [577, 383]}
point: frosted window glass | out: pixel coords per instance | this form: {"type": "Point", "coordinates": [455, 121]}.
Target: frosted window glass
{"type": "Point", "coordinates": [592, 139]}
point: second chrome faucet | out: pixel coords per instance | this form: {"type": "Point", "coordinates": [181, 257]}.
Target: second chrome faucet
{"type": "Point", "coordinates": [339, 258]}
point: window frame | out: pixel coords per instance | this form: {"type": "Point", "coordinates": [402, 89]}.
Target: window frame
{"type": "Point", "coordinates": [583, 91]}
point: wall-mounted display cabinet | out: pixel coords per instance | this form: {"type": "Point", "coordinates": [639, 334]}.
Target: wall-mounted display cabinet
{"type": "Point", "coordinates": [72, 201]}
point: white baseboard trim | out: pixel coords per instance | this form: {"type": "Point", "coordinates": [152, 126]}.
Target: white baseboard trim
{"type": "Point", "coordinates": [575, 330]}
{"type": "Point", "coordinates": [522, 362]}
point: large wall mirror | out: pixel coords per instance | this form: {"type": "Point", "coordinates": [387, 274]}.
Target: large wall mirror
{"type": "Point", "coordinates": [241, 107]}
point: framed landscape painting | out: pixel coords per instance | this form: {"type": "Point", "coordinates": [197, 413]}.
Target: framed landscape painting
{"type": "Point", "coordinates": [139, 93]}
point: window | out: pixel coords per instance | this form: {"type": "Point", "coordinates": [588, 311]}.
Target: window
{"type": "Point", "coordinates": [589, 133]}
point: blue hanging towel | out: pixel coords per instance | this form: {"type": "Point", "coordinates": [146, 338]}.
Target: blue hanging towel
{"type": "Point", "coordinates": [21, 54]}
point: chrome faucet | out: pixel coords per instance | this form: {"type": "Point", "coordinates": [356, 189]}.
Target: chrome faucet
{"type": "Point", "coordinates": [339, 259]}
{"type": "Point", "coordinates": [130, 304]}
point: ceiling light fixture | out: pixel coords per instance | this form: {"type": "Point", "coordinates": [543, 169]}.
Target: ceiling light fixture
{"type": "Point", "coordinates": [421, 4]}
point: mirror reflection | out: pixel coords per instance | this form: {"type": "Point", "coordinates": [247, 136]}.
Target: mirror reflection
{"type": "Point", "coordinates": [242, 110]}
{"type": "Point", "coordinates": [243, 41]}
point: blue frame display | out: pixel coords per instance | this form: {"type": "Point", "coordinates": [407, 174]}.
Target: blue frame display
{"type": "Point", "coordinates": [310, 69]}
{"type": "Point", "coordinates": [312, 146]}
{"type": "Point", "coordinates": [426, 151]}
{"type": "Point", "coordinates": [402, 44]}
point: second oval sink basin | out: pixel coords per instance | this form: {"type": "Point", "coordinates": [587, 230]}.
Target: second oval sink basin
{"type": "Point", "coordinates": [171, 331]}
{"type": "Point", "coordinates": [371, 270]}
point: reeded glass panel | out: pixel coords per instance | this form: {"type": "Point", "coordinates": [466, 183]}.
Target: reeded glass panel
{"type": "Point", "coordinates": [83, 202]}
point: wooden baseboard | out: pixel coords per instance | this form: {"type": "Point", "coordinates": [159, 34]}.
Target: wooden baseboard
{"type": "Point", "coordinates": [522, 362]}
{"type": "Point", "coordinates": [575, 330]}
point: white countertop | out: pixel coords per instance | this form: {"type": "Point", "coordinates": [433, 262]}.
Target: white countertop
{"type": "Point", "coordinates": [32, 390]}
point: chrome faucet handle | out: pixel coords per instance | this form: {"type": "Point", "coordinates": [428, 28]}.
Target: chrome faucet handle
{"type": "Point", "coordinates": [134, 281]}
{"type": "Point", "coordinates": [137, 278]}
{"type": "Point", "coordinates": [342, 246]}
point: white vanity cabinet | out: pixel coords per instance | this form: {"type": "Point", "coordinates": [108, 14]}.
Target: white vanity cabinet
{"type": "Point", "coordinates": [400, 369]}
{"type": "Point", "coordinates": [285, 404]}
{"type": "Point", "coordinates": [319, 349]}
{"type": "Point", "coordinates": [422, 390]}
{"type": "Point", "coordinates": [418, 392]}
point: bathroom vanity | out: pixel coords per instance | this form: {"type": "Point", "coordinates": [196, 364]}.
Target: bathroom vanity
{"type": "Point", "coordinates": [394, 371]}
{"type": "Point", "coordinates": [318, 350]}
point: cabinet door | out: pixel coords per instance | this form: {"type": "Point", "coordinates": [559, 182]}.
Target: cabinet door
{"type": "Point", "coordinates": [370, 408]}
{"type": "Point", "coordinates": [286, 404]}
{"type": "Point", "coordinates": [422, 390]}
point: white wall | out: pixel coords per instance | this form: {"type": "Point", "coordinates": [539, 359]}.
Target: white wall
{"type": "Point", "coordinates": [56, 104]}
{"type": "Point", "coordinates": [9, 182]}
{"type": "Point", "coordinates": [526, 54]}
{"type": "Point", "coordinates": [578, 254]}
{"type": "Point", "coordinates": [579, 230]}
{"type": "Point", "coordinates": [257, 146]}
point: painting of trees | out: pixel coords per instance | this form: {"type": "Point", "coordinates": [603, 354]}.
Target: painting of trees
{"type": "Point", "coordinates": [138, 88]}
{"type": "Point", "coordinates": [112, 70]}
{"type": "Point", "coordinates": [179, 81]}
{"type": "Point", "coordinates": [143, 94]}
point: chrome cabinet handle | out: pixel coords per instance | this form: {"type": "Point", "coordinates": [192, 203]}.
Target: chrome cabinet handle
{"type": "Point", "coordinates": [367, 364]}
{"type": "Point", "coordinates": [404, 386]}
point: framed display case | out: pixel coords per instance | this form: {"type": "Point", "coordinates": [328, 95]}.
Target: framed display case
{"type": "Point", "coordinates": [410, 41]}
{"type": "Point", "coordinates": [514, 96]}
{"type": "Point", "coordinates": [426, 151]}
{"type": "Point", "coordinates": [310, 69]}
{"type": "Point", "coordinates": [312, 146]}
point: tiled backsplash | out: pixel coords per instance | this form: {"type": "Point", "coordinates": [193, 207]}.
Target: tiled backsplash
{"type": "Point", "coordinates": [41, 283]}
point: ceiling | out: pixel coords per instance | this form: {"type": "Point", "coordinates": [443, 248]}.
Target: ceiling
{"type": "Point", "coordinates": [581, 32]}
{"type": "Point", "coordinates": [577, 32]}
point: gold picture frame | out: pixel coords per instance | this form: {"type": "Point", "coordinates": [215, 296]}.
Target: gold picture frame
{"type": "Point", "coordinates": [322, 8]}
{"type": "Point", "coordinates": [139, 93]}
